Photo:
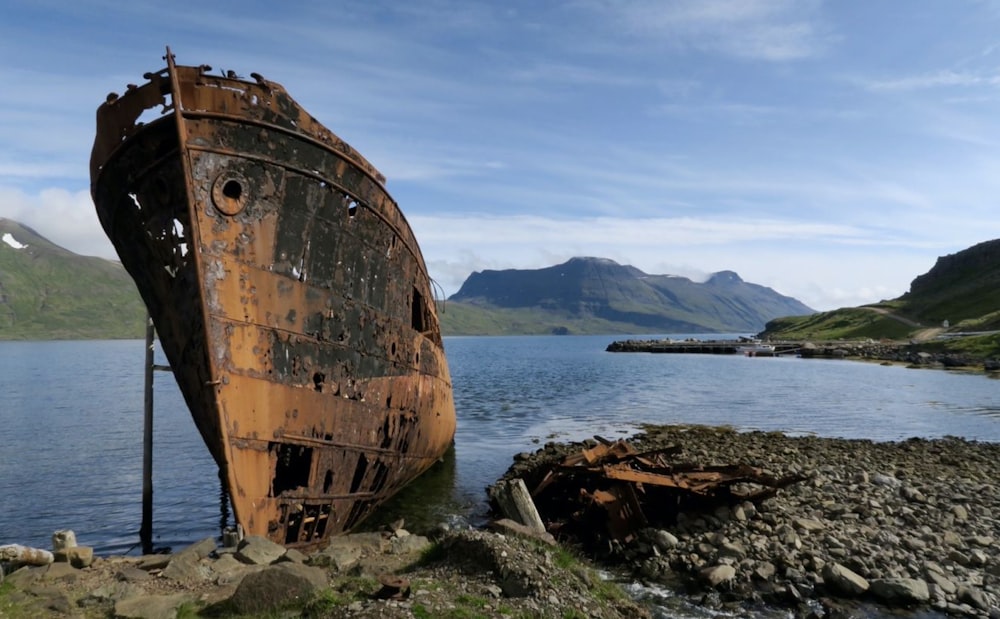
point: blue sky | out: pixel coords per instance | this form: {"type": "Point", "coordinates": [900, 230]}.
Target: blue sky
{"type": "Point", "coordinates": [831, 150]}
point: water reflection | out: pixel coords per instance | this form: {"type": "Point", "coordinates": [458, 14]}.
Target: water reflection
{"type": "Point", "coordinates": [424, 503]}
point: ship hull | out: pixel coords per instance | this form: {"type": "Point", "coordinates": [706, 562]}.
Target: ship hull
{"type": "Point", "coordinates": [288, 292]}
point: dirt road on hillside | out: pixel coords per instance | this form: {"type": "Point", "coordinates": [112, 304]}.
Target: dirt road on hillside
{"type": "Point", "coordinates": [925, 333]}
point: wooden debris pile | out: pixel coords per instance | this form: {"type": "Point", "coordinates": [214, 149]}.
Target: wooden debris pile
{"type": "Point", "coordinates": [613, 491]}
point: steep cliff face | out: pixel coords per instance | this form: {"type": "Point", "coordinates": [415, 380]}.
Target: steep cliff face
{"type": "Point", "coordinates": [959, 295]}
{"type": "Point", "coordinates": [959, 286]}
{"type": "Point", "coordinates": [604, 289]}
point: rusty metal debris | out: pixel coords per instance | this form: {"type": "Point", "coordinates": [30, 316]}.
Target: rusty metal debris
{"type": "Point", "coordinates": [393, 588]}
{"type": "Point", "coordinates": [288, 292]}
{"type": "Point", "coordinates": [611, 491]}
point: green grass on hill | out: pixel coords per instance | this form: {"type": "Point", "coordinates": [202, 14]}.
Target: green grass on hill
{"type": "Point", "coordinates": [54, 294]}
{"type": "Point", "coordinates": [848, 323]}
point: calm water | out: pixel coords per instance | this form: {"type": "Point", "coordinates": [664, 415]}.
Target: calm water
{"type": "Point", "coordinates": [71, 423]}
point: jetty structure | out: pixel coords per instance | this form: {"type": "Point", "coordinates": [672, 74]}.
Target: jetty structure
{"type": "Point", "coordinates": [742, 346]}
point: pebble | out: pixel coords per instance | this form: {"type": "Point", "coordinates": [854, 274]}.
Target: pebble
{"type": "Point", "coordinates": [907, 515]}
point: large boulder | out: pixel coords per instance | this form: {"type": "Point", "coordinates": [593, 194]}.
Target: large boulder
{"type": "Point", "coordinates": [276, 587]}
{"type": "Point", "coordinates": [717, 575]}
{"type": "Point", "coordinates": [257, 550]}
{"type": "Point", "coordinates": [150, 606]}
{"type": "Point", "coordinates": [843, 580]}
{"type": "Point", "coordinates": [900, 591]}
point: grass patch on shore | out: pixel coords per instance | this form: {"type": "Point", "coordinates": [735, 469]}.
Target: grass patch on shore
{"type": "Point", "coordinates": [7, 608]}
{"type": "Point", "coordinates": [601, 589]}
{"type": "Point", "coordinates": [981, 346]}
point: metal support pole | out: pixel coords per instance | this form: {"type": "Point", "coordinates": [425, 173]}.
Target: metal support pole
{"type": "Point", "coordinates": [146, 530]}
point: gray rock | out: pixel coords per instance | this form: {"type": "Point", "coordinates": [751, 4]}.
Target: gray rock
{"type": "Point", "coordinates": [844, 580]}
{"type": "Point", "coordinates": [201, 549]}
{"type": "Point", "coordinates": [914, 543]}
{"type": "Point", "coordinates": [295, 556]}
{"type": "Point", "coordinates": [130, 573]}
{"type": "Point", "coordinates": [961, 514]}
{"type": "Point", "coordinates": [185, 567]}
{"type": "Point", "coordinates": [787, 536]}
{"type": "Point", "coordinates": [900, 591]}
{"type": "Point", "coordinates": [985, 541]}
{"type": "Point", "coordinates": [153, 562]}
{"type": "Point", "coordinates": [765, 570]}
{"type": "Point", "coordinates": [941, 581]}
{"type": "Point", "coordinates": [112, 593]}
{"type": "Point", "coordinates": [880, 479]}
{"type": "Point", "coordinates": [959, 557]}
{"type": "Point", "coordinates": [150, 606]}
{"type": "Point", "coordinates": [52, 601]}
{"type": "Point", "coordinates": [340, 557]}
{"type": "Point", "coordinates": [409, 544]}
{"type": "Point", "coordinates": [717, 575]}
{"type": "Point", "coordinates": [664, 540]}
{"type": "Point", "coordinates": [59, 571]}
{"type": "Point", "coordinates": [257, 550]}
{"type": "Point", "coordinates": [734, 550]}
{"type": "Point", "coordinates": [977, 558]}
{"type": "Point", "coordinates": [24, 577]}
{"type": "Point", "coordinates": [973, 596]}
{"type": "Point", "coordinates": [228, 569]}
{"type": "Point", "coordinates": [276, 586]}
{"type": "Point", "coordinates": [808, 524]}
{"type": "Point", "coordinates": [372, 542]}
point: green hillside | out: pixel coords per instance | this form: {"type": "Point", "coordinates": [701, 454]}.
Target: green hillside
{"type": "Point", "coordinates": [48, 293]}
{"type": "Point", "coordinates": [954, 306]}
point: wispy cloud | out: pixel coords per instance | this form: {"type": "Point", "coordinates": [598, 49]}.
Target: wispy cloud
{"type": "Point", "coordinates": [767, 30]}
{"type": "Point", "coordinates": [67, 218]}
{"type": "Point", "coordinates": [684, 136]}
{"type": "Point", "coordinates": [687, 246]}
{"type": "Point", "coordinates": [936, 80]}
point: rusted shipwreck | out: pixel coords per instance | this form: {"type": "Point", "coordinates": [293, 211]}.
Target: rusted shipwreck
{"type": "Point", "coordinates": [288, 292]}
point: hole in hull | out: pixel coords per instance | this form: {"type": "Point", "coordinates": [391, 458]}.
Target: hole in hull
{"type": "Point", "coordinates": [292, 467]}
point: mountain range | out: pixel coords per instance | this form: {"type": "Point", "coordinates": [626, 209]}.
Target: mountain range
{"type": "Point", "coordinates": [597, 295]}
{"type": "Point", "coordinates": [48, 292]}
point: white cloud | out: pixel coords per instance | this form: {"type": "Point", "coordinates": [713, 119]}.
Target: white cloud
{"type": "Point", "coordinates": [939, 79]}
{"type": "Point", "coordinates": [768, 30]}
{"type": "Point", "coordinates": [808, 261]}
{"type": "Point", "coordinates": [66, 218]}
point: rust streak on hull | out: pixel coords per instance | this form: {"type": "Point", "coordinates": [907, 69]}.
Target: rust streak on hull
{"type": "Point", "coordinates": [288, 291]}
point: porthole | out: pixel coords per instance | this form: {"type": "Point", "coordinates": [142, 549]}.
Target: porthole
{"type": "Point", "coordinates": [229, 193]}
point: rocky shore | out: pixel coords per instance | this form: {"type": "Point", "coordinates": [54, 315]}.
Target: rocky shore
{"type": "Point", "coordinates": [912, 525]}
{"type": "Point", "coordinates": [455, 573]}
{"type": "Point", "coordinates": [914, 355]}
{"type": "Point", "coordinates": [872, 529]}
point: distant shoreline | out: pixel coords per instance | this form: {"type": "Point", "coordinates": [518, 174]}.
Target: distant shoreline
{"type": "Point", "coordinates": [907, 354]}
